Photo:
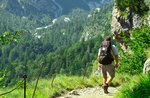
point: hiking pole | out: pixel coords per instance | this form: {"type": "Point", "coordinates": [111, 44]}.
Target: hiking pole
{"type": "Point", "coordinates": [38, 79]}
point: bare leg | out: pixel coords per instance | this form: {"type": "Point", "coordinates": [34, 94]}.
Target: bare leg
{"type": "Point", "coordinates": [105, 86]}
{"type": "Point", "coordinates": [109, 80]}
{"type": "Point", "coordinates": [104, 79]}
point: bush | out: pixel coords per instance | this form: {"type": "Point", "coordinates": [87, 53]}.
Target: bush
{"type": "Point", "coordinates": [137, 6]}
{"type": "Point", "coordinates": [138, 43]}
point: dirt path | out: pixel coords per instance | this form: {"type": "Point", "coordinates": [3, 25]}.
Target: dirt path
{"type": "Point", "coordinates": [94, 92]}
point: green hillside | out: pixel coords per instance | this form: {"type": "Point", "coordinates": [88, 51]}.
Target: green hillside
{"type": "Point", "coordinates": [59, 42]}
{"type": "Point", "coordinates": [68, 48]}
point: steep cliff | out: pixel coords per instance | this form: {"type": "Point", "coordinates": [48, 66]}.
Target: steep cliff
{"type": "Point", "coordinates": [124, 21]}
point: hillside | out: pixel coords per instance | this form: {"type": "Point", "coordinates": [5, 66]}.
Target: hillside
{"type": "Point", "coordinates": [31, 14]}
{"type": "Point", "coordinates": [67, 48]}
{"type": "Point", "coordinates": [63, 41]}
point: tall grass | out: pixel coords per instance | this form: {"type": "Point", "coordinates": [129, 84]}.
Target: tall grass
{"type": "Point", "coordinates": [62, 83]}
{"type": "Point", "coordinates": [139, 87]}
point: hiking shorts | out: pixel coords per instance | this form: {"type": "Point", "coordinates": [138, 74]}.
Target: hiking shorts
{"type": "Point", "coordinates": [110, 69]}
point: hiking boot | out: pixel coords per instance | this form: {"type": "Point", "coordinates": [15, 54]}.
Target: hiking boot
{"type": "Point", "coordinates": [105, 87]}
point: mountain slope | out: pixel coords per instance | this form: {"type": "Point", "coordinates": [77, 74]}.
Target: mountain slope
{"type": "Point", "coordinates": [31, 14]}
{"type": "Point", "coordinates": [53, 7]}
{"type": "Point", "coordinates": [59, 43]}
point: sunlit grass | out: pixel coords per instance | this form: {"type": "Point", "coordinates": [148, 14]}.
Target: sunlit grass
{"type": "Point", "coordinates": [138, 86]}
{"type": "Point", "coordinates": [61, 84]}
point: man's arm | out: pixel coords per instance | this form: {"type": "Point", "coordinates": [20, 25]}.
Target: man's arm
{"type": "Point", "coordinates": [115, 53]}
{"type": "Point", "coordinates": [99, 57]}
{"type": "Point", "coordinates": [116, 59]}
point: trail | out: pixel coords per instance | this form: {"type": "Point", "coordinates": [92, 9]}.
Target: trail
{"type": "Point", "coordinates": [90, 92]}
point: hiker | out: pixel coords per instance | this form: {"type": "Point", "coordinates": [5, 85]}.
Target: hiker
{"type": "Point", "coordinates": [106, 61]}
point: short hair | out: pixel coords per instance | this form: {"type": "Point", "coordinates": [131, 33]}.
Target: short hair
{"type": "Point", "coordinates": [108, 38]}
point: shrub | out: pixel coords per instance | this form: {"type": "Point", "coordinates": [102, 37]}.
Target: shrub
{"type": "Point", "coordinates": [137, 6]}
{"type": "Point", "coordinates": [138, 42]}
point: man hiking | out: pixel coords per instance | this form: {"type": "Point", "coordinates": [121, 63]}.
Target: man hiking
{"type": "Point", "coordinates": [106, 61]}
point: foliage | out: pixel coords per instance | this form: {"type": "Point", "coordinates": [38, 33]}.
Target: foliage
{"type": "Point", "coordinates": [98, 22]}
{"type": "Point", "coordinates": [63, 33]}
{"type": "Point", "coordinates": [61, 39]}
{"type": "Point", "coordinates": [133, 60]}
{"type": "Point", "coordinates": [1, 78]}
{"type": "Point", "coordinates": [12, 23]}
{"type": "Point", "coordinates": [137, 6]}
{"type": "Point", "coordinates": [139, 86]}
{"type": "Point", "coordinates": [6, 37]}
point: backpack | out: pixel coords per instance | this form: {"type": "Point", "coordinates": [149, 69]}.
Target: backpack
{"type": "Point", "coordinates": [105, 53]}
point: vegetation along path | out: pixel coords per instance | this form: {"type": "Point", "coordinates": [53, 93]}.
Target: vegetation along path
{"type": "Point", "coordinates": [91, 92]}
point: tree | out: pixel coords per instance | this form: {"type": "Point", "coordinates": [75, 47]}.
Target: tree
{"type": "Point", "coordinates": [6, 37]}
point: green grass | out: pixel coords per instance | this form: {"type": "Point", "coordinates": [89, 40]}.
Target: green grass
{"type": "Point", "coordinates": [147, 52]}
{"type": "Point", "coordinates": [62, 84]}
{"type": "Point", "coordinates": [138, 87]}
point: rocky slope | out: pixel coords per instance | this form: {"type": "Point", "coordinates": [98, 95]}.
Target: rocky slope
{"type": "Point", "coordinates": [124, 23]}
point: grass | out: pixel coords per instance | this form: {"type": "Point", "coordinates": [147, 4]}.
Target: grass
{"type": "Point", "coordinates": [62, 83]}
{"type": "Point", "coordinates": [138, 87]}
{"type": "Point", "coordinates": [147, 52]}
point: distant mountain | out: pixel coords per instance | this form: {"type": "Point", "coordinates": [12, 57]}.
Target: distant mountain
{"type": "Point", "coordinates": [31, 14]}
{"type": "Point", "coordinates": [54, 8]}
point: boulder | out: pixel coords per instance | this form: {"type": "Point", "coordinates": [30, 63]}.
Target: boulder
{"type": "Point", "coordinates": [146, 66]}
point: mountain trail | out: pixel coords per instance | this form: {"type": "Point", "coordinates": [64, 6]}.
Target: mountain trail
{"type": "Point", "coordinates": [91, 92]}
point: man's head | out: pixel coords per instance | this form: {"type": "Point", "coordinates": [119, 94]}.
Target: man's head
{"type": "Point", "coordinates": [108, 38]}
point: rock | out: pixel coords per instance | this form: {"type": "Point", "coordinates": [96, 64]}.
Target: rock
{"type": "Point", "coordinates": [146, 68]}
{"type": "Point", "coordinates": [119, 25]}
{"type": "Point", "coordinates": [74, 92]}
{"type": "Point", "coordinates": [123, 23]}
{"type": "Point", "coordinates": [137, 21]}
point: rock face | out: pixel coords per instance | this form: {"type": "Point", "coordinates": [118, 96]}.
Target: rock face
{"type": "Point", "coordinates": [124, 23]}
{"type": "Point", "coordinates": [146, 68]}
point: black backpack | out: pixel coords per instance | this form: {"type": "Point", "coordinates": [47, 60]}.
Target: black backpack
{"type": "Point", "coordinates": [105, 53]}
